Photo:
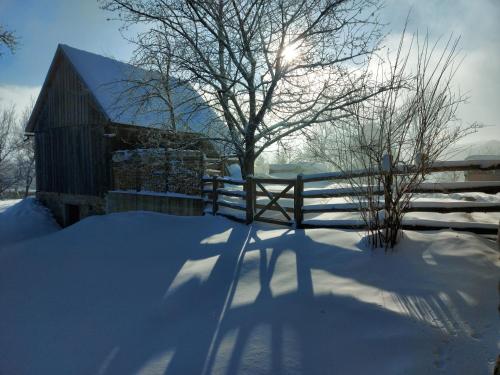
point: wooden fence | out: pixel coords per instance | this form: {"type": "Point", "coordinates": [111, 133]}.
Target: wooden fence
{"type": "Point", "coordinates": [289, 200]}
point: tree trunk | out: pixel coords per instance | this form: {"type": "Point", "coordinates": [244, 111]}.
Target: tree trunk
{"type": "Point", "coordinates": [247, 168]}
{"type": "Point", "coordinates": [29, 181]}
{"type": "Point", "coordinates": [389, 210]}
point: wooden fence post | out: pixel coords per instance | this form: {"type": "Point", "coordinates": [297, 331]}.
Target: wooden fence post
{"type": "Point", "coordinates": [298, 201]}
{"type": "Point", "coordinates": [222, 167]}
{"type": "Point", "coordinates": [250, 199]}
{"type": "Point", "coordinates": [498, 237]}
{"type": "Point", "coordinates": [202, 171]}
{"type": "Point", "coordinates": [137, 168]}
{"type": "Point", "coordinates": [215, 195]}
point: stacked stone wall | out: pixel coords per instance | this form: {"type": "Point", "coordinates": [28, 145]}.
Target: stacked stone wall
{"type": "Point", "coordinates": [184, 170]}
{"type": "Point", "coordinates": [158, 170]}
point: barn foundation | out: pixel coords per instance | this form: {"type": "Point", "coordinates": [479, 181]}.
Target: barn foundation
{"type": "Point", "coordinates": [69, 208]}
{"type": "Point", "coordinates": [168, 203]}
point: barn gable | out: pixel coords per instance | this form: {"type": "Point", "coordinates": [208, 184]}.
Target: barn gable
{"type": "Point", "coordinates": [64, 99]}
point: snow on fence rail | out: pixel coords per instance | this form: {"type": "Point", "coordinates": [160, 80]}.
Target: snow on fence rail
{"type": "Point", "coordinates": [284, 196]}
{"type": "Point", "coordinates": [488, 187]}
{"type": "Point", "coordinates": [438, 166]}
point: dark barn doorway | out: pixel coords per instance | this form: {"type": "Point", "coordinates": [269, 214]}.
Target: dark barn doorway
{"type": "Point", "coordinates": [72, 214]}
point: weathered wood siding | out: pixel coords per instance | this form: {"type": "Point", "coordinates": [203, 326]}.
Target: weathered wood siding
{"type": "Point", "coordinates": [68, 102]}
{"type": "Point", "coordinates": [71, 150]}
{"type": "Point", "coordinates": [72, 160]}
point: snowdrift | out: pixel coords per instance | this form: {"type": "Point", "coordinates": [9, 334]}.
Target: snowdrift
{"type": "Point", "coordinates": [24, 219]}
{"type": "Point", "coordinates": [146, 293]}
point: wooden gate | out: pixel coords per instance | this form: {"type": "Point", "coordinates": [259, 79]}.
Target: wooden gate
{"type": "Point", "coordinates": [262, 187]}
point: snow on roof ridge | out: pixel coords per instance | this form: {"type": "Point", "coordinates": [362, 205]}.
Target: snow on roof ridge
{"type": "Point", "coordinates": [117, 88]}
{"type": "Point", "coordinates": [90, 67]}
{"type": "Point", "coordinates": [479, 157]}
{"type": "Point", "coordinates": [111, 59]}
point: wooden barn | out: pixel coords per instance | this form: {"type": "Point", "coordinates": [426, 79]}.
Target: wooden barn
{"type": "Point", "coordinates": [481, 175]}
{"type": "Point", "coordinates": [90, 106]}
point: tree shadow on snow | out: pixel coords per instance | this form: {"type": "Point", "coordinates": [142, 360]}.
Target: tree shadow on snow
{"type": "Point", "coordinates": [187, 304]}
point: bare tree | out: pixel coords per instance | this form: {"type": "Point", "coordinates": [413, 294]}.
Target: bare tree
{"type": "Point", "coordinates": [8, 147]}
{"type": "Point", "coordinates": [24, 153]}
{"type": "Point", "coordinates": [17, 154]}
{"type": "Point", "coordinates": [7, 39]}
{"type": "Point", "coordinates": [394, 138]}
{"type": "Point", "coordinates": [268, 67]}
{"type": "Point", "coordinates": [154, 55]}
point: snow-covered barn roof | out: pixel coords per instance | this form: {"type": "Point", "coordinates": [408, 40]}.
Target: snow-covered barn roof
{"type": "Point", "coordinates": [119, 90]}
{"type": "Point", "coordinates": [483, 157]}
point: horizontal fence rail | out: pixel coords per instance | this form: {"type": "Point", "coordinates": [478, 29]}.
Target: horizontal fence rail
{"type": "Point", "coordinates": [288, 199]}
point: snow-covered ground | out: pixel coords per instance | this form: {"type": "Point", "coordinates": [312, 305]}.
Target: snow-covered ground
{"type": "Point", "coordinates": [147, 293]}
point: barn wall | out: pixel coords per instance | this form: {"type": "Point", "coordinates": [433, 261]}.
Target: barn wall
{"type": "Point", "coordinates": [482, 175]}
{"type": "Point", "coordinates": [72, 160]}
{"type": "Point", "coordinates": [71, 150]}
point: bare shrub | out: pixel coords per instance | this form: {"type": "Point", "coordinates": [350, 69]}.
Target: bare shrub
{"type": "Point", "coordinates": [392, 139]}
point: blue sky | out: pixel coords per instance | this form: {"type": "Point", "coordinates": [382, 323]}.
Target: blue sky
{"type": "Point", "coordinates": [42, 24]}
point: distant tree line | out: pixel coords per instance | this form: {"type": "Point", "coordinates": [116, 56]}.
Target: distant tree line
{"type": "Point", "coordinates": [17, 155]}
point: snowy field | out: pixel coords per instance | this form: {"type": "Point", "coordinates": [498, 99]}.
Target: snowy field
{"type": "Point", "coordinates": [146, 293]}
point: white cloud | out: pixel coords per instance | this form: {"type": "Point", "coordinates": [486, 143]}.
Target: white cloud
{"type": "Point", "coordinates": [476, 22]}
{"type": "Point", "coordinates": [19, 96]}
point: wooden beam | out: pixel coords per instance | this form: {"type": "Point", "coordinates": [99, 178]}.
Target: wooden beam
{"type": "Point", "coordinates": [250, 199]}
{"type": "Point", "coordinates": [298, 201]}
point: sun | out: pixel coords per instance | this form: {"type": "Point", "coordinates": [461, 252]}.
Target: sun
{"type": "Point", "coordinates": [290, 52]}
